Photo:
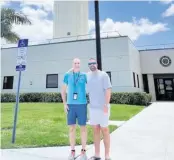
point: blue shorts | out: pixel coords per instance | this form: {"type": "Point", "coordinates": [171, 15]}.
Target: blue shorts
{"type": "Point", "coordinates": [79, 112]}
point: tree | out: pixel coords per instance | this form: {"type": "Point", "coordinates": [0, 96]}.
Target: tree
{"type": "Point", "coordinates": [8, 18]}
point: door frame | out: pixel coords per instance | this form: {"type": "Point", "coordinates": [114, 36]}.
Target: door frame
{"type": "Point", "coordinates": [157, 89]}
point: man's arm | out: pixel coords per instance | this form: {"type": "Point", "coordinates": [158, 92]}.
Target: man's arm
{"type": "Point", "coordinates": [108, 96]}
{"type": "Point", "coordinates": [63, 93]}
{"type": "Point", "coordinates": [107, 87]}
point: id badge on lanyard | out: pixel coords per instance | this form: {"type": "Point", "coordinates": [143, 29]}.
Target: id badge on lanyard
{"type": "Point", "coordinates": [75, 96]}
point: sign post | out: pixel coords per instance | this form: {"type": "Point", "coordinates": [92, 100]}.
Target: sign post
{"type": "Point", "coordinates": [21, 66]}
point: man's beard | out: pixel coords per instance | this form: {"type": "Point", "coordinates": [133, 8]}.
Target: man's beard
{"type": "Point", "coordinates": [93, 68]}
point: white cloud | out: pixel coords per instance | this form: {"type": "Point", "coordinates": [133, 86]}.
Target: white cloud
{"type": "Point", "coordinates": [34, 13]}
{"type": "Point", "coordinates": [42, 28]}
{"type": "Point", "coordinates": [133, 29]}
{"type": "Point", "coordinates": [169, 12]}
{"type": "Point", "coordinates": [47, 5]}
{"type": "Point", "coordinates": [91, 25]}
{"type": "Point", "coordinates": [166, 1]}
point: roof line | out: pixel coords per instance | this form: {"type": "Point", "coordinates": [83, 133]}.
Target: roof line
{"type": "Point", "coordinates": [79, 40]}
{"type": "Point", "coordinates": [155, 49]}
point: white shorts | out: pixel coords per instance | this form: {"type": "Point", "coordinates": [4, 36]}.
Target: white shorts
{"type": "Point", "coordinates": [98, 117]}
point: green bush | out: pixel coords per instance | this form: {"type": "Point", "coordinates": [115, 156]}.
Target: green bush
{"type": "Point", "coordinates": [136, 98]}
{"type": "Point", "coordinates": [116, 98]}
{"type": "Point", "coordinates": [8, 97]}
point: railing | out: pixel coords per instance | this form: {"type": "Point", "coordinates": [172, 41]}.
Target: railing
{"type": "Point", "coordinates": [156, 46]}
{"type": "Point", "coordinates": [90, 36]}
{"type": "Point", "coordinates": [66, 39]}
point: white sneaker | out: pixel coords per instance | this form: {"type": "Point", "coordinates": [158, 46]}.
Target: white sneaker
{"type": "Point", "coordinates": [83, 156]}
{"type": "Point", "coordinates": [72, 156]}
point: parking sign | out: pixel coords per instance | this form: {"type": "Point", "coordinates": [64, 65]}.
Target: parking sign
{"type": "Point", "coordinates": [22, 55]}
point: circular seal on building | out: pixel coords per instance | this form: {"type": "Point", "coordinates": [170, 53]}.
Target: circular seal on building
{"type": "Point", "coordinates": [165, 61]}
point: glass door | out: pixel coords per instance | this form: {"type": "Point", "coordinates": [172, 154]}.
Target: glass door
{"type": "Point", "coordinates": [169, 89]}
{"type": "Point", "coordinates": [164, 89]}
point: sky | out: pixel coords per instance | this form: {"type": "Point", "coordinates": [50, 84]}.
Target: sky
{"type": "Point", "coordinates": [145, 22]}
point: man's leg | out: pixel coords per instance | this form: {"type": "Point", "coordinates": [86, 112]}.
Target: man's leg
{"type": "Point", "coordinates": [96, 133]}
{"type": "Point", "coordinates": [81, 112]}
{"type": "Point", "coordinates": [83, 132]}
{"type": "Point", "coordinates": [106, 140]}
{"type": "Point", "coordinates": [71, 118]}
{"type": "Point", "coordinates": [106, 133]}
{"type": "Point", "coordinates": [72, 134]}
{"type": "Point", "coordinates": [94, 122]}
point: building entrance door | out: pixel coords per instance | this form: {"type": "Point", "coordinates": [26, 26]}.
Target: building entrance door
{"type": "Point", "coordinates": [164, 89]}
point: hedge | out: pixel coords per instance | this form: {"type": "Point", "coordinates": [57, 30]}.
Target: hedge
{"type": "Point", "coordinates": [136, 98]}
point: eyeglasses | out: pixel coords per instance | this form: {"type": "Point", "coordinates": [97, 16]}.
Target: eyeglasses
{"type": "Point", "coordinates": [92, 63]}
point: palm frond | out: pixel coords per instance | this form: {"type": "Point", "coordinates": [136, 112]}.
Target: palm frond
{"type": "Point", "coordinates": [11, 37]}
{"type": "Point", "coordinates": [10, 16]}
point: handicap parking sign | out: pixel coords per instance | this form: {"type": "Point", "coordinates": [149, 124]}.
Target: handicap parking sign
{"type": "Point", "coordinates": [21, 57]}
{"type": "Point", "coordinates": [23, 43]}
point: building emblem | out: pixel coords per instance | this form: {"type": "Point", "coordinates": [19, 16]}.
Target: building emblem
{"type": "Point", "coordinates": [165, 61]}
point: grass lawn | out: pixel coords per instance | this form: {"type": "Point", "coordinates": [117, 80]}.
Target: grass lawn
{"type": "Point", "coordinates": [44, 124]}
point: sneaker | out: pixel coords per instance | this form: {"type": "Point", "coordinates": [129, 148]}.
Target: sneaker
{"type": "Point", "coordinates": [95, 158]}
{"type": "Point", "coordinates": [83, 155]}
{"type": "Point", "coordinates": [72, 155]}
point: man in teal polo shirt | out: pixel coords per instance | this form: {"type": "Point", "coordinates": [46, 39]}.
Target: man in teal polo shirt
{"type": "Point", "coordinates": [75, 105]}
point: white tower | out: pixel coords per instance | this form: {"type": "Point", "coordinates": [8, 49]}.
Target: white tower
{"type": "Point", "coordinates": [70, 18]}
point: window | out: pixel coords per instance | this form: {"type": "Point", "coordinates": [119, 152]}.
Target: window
{"type": "Point", "coordinates": [138, 81]}
{"type": "Point", "coordinates": [145, 83]}
{"type": "Point", "coordinates": [109, 74]}
{"type": "Point", "coordinates": [8, 82]}
{"type": "Point", "coordinates": [52, 81]}
{"type": "Point", "coordinates": [134, 79]}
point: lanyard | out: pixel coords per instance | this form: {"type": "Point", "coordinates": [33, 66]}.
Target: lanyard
{"type": "Point", "coordinates": [76, 80]}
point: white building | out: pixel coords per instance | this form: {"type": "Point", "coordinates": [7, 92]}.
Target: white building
{"type": "Point", "coordinates": [130, 70]}
{"type": "Point", "coordinates": [157, 68]}
{"type": "Point", "coordinates": [70, 18]}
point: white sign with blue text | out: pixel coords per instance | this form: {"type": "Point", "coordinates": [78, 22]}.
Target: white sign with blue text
{"type": "Point", "coordinates": [22, 55]}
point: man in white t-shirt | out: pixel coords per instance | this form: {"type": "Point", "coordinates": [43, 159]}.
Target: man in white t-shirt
{"type": "Point", "coordinates": [99, 89]}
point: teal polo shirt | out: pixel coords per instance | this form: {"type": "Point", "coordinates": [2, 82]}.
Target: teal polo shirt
{"type": "Point", "coordinates": [76, 83]}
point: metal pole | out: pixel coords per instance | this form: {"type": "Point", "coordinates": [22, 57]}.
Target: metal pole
{"type": "Point", "coordinates": [16, 109]}
{"type": "Point", "coordinates": [97, 32]}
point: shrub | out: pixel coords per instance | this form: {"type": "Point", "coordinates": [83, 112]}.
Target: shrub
{"type": "Point", "coordinates": [137, 98]}
{"type": "Point", "coordinates": [8, 97]}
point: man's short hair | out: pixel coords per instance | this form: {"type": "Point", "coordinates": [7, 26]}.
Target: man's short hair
{"type": "Point", "coordinates": [92, 59]}
{"type": "Point", "coordinates": [76, 59]}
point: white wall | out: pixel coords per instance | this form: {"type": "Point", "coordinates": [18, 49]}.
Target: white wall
{"type": "Point", "coordinates": [115, 58]}
{"type": "Point", "coordinates": [150, 61]}
{"type": "Point", "coordinates": [57, 58]}
{"type": "Point", "coordinates": [70, 16]}
{"type": "Point", "coordinates": [135, 65]}
{"type": "Point", "coordinates": [151, 86]}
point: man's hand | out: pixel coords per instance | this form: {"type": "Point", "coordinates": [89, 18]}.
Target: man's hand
{"type": "Point", "coordinates": [66, 108]}
{"type": "Point", "coordinates": [70, 70]}
{"type": "Point", "coordinates": [105, 109]}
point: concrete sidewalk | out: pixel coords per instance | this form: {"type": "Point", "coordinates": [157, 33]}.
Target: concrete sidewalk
{"type": "Point", "coordinates": [47, 153]}
{"type": "Point", "coordinates": [147, 136]}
